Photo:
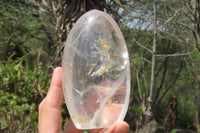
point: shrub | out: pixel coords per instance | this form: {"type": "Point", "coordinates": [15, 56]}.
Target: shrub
{"type": "Point", "coordinates": [21, 91]}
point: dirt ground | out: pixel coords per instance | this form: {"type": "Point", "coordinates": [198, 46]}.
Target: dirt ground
{"type": "Point", "coordinates": [160, 130]}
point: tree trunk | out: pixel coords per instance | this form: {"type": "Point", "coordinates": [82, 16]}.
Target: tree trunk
{"type": "Point", "coordinates": [148, 113]}
{"type": "Point", "coordinates": [149, 124]}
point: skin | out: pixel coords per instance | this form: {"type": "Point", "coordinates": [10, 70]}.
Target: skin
{"type": "Point", "coordinates": [50, 111]}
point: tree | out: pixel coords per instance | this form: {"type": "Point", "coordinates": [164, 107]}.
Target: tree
{"type": "Point", "coordinates": [192, 14]}
{"type": "Point", "coordinates": [67, 13]}
{"type": "Point", "coordinates": [24, 44]}
{"type": "Point", "coordinates": [23, 30]}
{"type": "Point", "coordinates": [185, 24]}
{"type": "Point", "coordinates": [168, 50]}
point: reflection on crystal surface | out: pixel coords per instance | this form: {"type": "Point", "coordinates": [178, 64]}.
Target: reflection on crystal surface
{"type": "Point", "coordinates": [96, 77]}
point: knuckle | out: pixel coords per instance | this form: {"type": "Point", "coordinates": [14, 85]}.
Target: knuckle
{"type": "Point", "coordinates": [42, 105]}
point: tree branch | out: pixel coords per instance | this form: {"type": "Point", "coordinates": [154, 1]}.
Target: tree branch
{"type": "Point", "coordinates": [169, 87]}
{"type": "Point", "coordinates": [139, 89]}
{"type": "Point", "coordinates": [171, 55]}
{"type": "Point", "coordinates": [143, 46]}
{"type": "Point", "coordinates": [170, 19]}
{"type": "Point", "coordinates": [162, 80]}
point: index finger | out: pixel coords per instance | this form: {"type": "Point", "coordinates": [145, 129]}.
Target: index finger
{"type": "Point", "coordinates": [49, 109]}
{"type": "Point", "coordinates": [55, 93]}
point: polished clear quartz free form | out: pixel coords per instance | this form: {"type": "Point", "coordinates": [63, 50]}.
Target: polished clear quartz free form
{"type": "Point", "coordinates": [95, 72]}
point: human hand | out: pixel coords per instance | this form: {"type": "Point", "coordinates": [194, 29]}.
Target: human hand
{"type": "Point", "coordinates": [50, 111]}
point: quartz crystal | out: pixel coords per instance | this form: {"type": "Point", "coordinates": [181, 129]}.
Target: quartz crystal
{"type": "Point", "coordinates": [96, 73]}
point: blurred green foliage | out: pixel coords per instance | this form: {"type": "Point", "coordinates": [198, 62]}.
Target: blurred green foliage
{"type": "Point", "coordinates": [21, 91]}
{"type": "Point", "coordinates": [173, 131]}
